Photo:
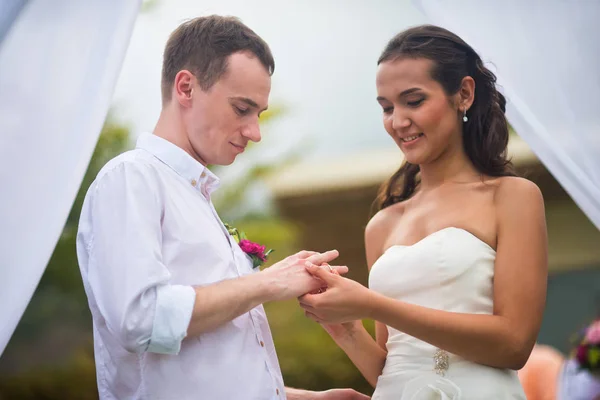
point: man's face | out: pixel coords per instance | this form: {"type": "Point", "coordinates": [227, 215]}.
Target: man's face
{"type": "Point", "coordinates": [221, 121]}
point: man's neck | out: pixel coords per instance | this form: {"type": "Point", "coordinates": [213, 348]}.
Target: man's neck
{"type": "Point", "coordinates": [170, 128]}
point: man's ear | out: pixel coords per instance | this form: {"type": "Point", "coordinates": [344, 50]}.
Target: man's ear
{"type": "Point", "coordinates": [183, 87]}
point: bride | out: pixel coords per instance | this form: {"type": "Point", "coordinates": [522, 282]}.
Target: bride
{"type": "Point", "coordinates": [457, 250]}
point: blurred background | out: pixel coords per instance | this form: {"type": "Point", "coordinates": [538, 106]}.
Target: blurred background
{"type": "Point", "coordinates": [308, 185]}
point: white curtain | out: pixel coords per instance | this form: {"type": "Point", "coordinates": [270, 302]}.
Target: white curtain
{"type": "Point", "coordinates": [9, 9]}
{"type": "Point", "coordinates": [59, 62]}
{"type": "Point", "coordinates": [547, 59]}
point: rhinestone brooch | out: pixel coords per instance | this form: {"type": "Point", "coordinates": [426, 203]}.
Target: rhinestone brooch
{"type": "Point", "coordinates": [441, 362]}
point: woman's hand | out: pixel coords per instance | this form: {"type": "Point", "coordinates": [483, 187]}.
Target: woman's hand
{"type": "Point", "coordinates": [339, 308]}
{"type": "Point", "coordinates": [342, 301]}
{"type": "Point", "coordinates": [344, 332]}
{"type": "Point", "coordinates": [341, 333]}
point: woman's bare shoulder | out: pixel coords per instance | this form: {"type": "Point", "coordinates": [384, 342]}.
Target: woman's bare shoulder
{"type": "Point", "coordinates": [513, 189]}
{"type": "Point", "coordinates": [378, 229]}
{"type": "Point", "coordinates": [518, 201]}
{"type": "Point", "coordinates": [384, 219]}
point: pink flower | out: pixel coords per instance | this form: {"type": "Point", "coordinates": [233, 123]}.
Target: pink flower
{"type": "Point", "coordinates": [581, 354]}
{"type": "Point", "coordinates": [592, 334]}
{"type": "Point", "coordinates": [253, 249]}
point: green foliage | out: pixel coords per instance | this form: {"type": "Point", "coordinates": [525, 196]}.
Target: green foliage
{"type": "Point", "coordinates": [149, 5]}
{"type": "Point", "coordinates": [76, 380]}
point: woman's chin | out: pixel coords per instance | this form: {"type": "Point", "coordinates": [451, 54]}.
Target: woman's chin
{"type": "Point", "coordinates": [414, 157]}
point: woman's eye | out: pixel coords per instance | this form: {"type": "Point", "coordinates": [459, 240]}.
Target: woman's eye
{"type": "Point", "coordinates": [415, 103]}
{"type": "Point", "coordinates": [388, 110]}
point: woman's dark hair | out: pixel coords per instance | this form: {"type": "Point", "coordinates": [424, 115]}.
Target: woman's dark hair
{"type": "Point", "coordinates": [485, 135]}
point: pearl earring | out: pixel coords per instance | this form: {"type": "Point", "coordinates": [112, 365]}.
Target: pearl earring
{"type": "Point", "coordinates": [465, 119]}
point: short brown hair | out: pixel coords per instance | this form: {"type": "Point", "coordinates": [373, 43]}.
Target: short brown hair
{"type": "Point", "coordinates": [202, 46]}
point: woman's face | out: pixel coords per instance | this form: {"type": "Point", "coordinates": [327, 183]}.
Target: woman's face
{"type": "Point", "coordinates": [417, 113]}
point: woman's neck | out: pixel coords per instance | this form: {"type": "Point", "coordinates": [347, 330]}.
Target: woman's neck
{"type": "Point", "coordinates": [450, 167]}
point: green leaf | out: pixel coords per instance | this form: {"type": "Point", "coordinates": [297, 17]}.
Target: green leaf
{"type": "Point", "coordinates": [256, 262]}
{"type": "Point", "coordinates": [594, 356]}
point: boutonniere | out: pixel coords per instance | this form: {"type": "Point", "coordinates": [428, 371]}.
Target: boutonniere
{"type": "Point", "coordinates": [255, 251]}
{"type": "Point", "coordinates": [587, 352]}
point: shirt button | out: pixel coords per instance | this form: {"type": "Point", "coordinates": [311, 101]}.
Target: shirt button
{"type": "Point", "coordinates": [277, 391]}
{"type": "Point", "coordinates": [194, 182]}
{"type": "Point", "coordinates": [262, 344]}
{"type": "Point", "coordinates": [202, 175]}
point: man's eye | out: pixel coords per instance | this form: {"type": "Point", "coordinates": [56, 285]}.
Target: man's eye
{"type": "Point", "coordinates": [241, 111]}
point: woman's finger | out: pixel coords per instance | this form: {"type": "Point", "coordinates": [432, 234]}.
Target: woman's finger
{"type": "Point", "coordinates": [312, 316]}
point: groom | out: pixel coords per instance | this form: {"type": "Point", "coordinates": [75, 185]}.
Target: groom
{"type": "Point", "coordinates": [176, 304]}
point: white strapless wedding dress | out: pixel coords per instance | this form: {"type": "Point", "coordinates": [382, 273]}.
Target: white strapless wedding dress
{"type": "Point", "coordinates": [450, 270]}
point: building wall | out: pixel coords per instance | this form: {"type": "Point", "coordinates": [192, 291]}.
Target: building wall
{"type": "Point", "coordinates": [573, 300]}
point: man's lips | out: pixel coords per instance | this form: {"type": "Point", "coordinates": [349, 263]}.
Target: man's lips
{"type": "Point", "coordinates": [240, 148]}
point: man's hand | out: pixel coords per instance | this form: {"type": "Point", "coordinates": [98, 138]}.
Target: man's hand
{"type": "Point", "coordinates": [223, 301]}
{"type": "Point", "coordinates": [341, 394]}
{"type": "Point", "coordinates": [289, 278]}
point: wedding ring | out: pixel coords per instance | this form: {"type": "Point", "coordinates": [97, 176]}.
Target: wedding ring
{"type": "Point", "coordinates": [329, 266]}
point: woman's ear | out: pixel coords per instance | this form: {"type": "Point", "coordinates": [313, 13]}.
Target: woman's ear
{"type": "Point", "coordinates": [466, 93]}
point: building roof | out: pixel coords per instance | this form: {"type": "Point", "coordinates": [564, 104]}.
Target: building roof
{"type": "Point", "coordinates": [357, 170]}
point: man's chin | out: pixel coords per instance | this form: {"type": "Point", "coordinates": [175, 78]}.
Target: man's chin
{"type": "Point", "coordinates": [224, 161]}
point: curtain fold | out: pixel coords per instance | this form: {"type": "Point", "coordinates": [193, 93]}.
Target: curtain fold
{"type": "Point", "coordinates": [59, 62]}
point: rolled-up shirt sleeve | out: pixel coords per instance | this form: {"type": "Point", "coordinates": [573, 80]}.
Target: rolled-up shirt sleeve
{"type": "Point", "coordinates": [126, 274]}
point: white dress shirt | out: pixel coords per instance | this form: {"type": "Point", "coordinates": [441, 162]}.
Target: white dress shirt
{"type": "Point", "coordinates": [148, 232]}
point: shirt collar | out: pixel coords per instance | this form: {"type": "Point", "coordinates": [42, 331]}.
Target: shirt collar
{"type": "Point", "coordinates": [180, 161]}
